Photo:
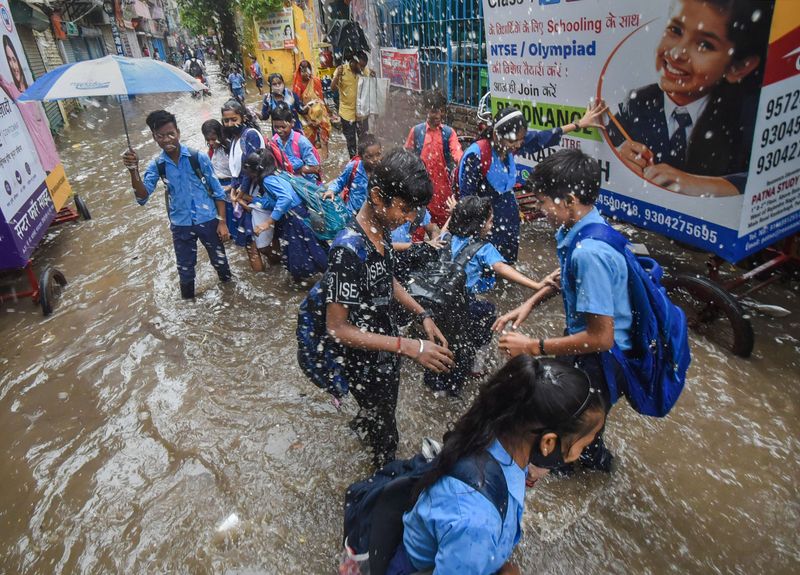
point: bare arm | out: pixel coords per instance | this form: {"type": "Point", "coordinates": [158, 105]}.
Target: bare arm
{"type": "Point", "coordinates": [598, 336]}
{"type": "Point", "coordinates": [509, 273]}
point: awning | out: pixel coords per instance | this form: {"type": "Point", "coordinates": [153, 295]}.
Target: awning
{"type": "Point", "coordinates": [26, 14]}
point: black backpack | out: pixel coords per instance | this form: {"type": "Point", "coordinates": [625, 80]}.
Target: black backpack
{"type": "Point", "coordinates": [195, 69]}
{"type": "Point", "coordinates": [374, 507]}
{"type": "Point", "coordinates": [441, 286]}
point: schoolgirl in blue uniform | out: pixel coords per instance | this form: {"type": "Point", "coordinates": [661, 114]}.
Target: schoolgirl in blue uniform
{"type": "Point", "coordinates": [531, 416]}
{"type": "Point", "coordinates": [240, 128]}
{"type": "Point", "coordinates": [277, 208]}
{"type": "Point", "coordinates": [279, 93]}
{"type": "Point", "coordinates": [219, 148]}
{"type": "Point", "coordinates": [298, 149]}
{"type": "Point", "coordinates": [470, 223]}
{"type": "Point", "coordinates": [351, 184]}
{"type": "Point", "coordinates": [488, 169]}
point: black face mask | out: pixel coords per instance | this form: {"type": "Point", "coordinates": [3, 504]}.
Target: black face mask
{"type": "Point", "coordinates": [233, 131]}
{"type": "Point", "coordinates": [552, 460]}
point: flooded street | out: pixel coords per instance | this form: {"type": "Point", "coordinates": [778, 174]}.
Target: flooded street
{"type": "Point", "coordinates": [133, 423]}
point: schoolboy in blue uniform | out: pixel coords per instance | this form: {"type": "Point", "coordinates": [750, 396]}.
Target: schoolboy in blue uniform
{"type": "Point", "coordinates": [595, 290]}
{"type": "Point", "coordinates": [355, 176]}
{"type": "Point", "coordinates": [691, 131]}
{"type": "Point", "coordinates": [196, 209]}
{"type": "Point", "coordinates": [303, 156]}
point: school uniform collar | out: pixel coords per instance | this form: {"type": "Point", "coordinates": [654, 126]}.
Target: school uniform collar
{"type": "Point", "coordinates": [695, 109]}
{"type": "Point", "coordinates": [387, 237]}
{"type": "Point", "coordinates": [514, 474]}
{"type": "Point", "coordinates": [565, 237]}
{"type": "Point", "coordinates": [184, 152]}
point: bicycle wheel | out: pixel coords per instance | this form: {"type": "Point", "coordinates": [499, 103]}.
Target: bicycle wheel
{"type": "Point", "coordinates": [712, 312]}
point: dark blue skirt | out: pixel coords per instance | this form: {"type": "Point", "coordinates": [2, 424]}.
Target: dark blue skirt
{"type": "Point", "coordinates": [302, 253]}
{"type": "Point", "coordinates": [241, 228]}
{"type": "Point", "coordinates": [505, 231]}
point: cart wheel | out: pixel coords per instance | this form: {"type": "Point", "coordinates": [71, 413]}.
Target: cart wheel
{"type": "Point", "coordinates": [51, 281]}
{"type": "Point", "coordinates": [83, 209]}
{"type": "Point", "coordinates": [705, 302]}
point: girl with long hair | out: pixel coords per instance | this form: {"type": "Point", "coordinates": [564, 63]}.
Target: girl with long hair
{"type": "Point", "coordinates": [532, 416]}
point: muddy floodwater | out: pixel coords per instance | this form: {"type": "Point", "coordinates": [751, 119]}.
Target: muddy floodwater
{"type": "Point", "coordinates": [133, 424]}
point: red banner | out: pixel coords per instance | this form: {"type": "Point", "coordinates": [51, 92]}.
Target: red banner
{"type": "Point", "coordinates": [401, 67]}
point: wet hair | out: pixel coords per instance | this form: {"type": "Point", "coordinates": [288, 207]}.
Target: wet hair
{"type": "Point", "coordinates": [434, 100]}
{"type": "Point", "coordinates": [401, 174]}
{"type": "Point", "coordinates": [527, 394]}
{"type": "Point", "coordinates": [262, 162]}
{"type": "Point", "coordinates": [365, 142]}
{"type": "Point", "coordinates": [234, 105]}
{"type": "Point", "coordinates": [362, 55]}
{"type": "Point", "coordinates": [507, 122]}
{"type": "Point", "coordinates": [566, 172]}
{"type": "Point", "coordinates": [469, 216]}
{"type": "Point", "coordinates": [282, 112]}
{"type": "Point", "coordinates": [215, 127]}
{"type": "Point", "coordinates": [159, 118]}
{"type": "Point", "coordinates": [275, 76]}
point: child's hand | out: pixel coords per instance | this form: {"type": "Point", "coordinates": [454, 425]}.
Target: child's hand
{"type": "Point", "coordinates": [436, 243]}
{"type": "Point", "coordinates": [514, 344]}
{"type": "Point", "coordinates": [593, 117]}
{"type": "Point", "coordinates": [636, 156]}
{"type": "Point", "coordinates": [222, 231]}
{"type": "Point", "coordinates": [515, 316]}
{"type": "Point", "coordinates": [433, 332]}
{"type": "Point", "coordinates": [258, 230]}
{"type": "Point", "coordinates": [131, 160]}
{"type": "Point", "coordinates": [328, 195]}
{"type": "Point", "coordinates": [450, 203]}
{"type": "Point", "coordinates": [431, 356]}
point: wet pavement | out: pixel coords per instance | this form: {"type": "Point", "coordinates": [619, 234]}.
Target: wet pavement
{"type": "Point", "coordinates": [133, 423]}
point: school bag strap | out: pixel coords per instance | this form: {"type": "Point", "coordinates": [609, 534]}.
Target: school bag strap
{"type": "Point", "coordinates": [468, 252]}
{"type": "Point", "coordinates": [350, 179]}
{"type": "Point", "coordinates": [489, 481]}
{"type": "Point", "coordinates": [485, 149]}
{"type": "Point", "coordinates": [654, 371]}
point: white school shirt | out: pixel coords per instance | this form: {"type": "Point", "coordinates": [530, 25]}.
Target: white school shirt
{"type": "Point", "coordinates": [695, 110]}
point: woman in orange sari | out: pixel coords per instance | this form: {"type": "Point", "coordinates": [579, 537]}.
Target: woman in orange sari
{"type": "Point", "coordinates": [315, 120]}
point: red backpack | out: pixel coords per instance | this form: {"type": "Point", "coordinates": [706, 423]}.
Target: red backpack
{"type": "Point", "coordinates": [351, 177]}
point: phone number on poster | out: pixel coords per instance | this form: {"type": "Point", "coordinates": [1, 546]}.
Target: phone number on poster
{"type": "Point", "coordinates": [778, 132]}
{"type": "Point", "coordinates": [700, 231]}
{"type": "Point", "coordinates": [615, 204]}
{"type": "Point", "coordinates": [775, 158]}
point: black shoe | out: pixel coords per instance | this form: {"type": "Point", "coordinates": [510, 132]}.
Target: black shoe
{"type": "Point", "coordinates": [187, 290]}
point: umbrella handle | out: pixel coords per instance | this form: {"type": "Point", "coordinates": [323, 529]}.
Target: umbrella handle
{"type": "Point", "coordinates": [127, 137]}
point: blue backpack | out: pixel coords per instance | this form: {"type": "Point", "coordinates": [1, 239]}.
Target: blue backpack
{"type": "Point", "coordinates": [419, 141]}
{"type": "Point", "coordinates": [326, 218]}
{"type": "Point", "coordinates": [320, 356]}
{"type": "Point", "coordinates": [374, 507]}
{"type": "Point", "coordinates": [656, 373]}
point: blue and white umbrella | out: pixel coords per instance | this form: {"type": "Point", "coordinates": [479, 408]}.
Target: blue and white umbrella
{"type": "Point", "coordinates": [111, 76]}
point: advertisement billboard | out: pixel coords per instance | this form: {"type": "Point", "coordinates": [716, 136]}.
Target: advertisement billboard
{"type": "Point", "coordinates": [704, 107]}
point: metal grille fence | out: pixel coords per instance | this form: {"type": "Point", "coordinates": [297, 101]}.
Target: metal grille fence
{"type": "Point", "coordinates": [452, 47]}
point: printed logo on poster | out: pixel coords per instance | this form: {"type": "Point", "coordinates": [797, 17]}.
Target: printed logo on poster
{"type": "Point", "coordinates": [5, 16]}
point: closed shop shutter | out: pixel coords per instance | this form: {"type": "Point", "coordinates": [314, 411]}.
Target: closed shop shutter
{"type": "Point", "coordinates": [79, 49]}
{"type": "Point", "coordinates": [136, 52]}
{"type": "Point", "coordinates": [38, 68]}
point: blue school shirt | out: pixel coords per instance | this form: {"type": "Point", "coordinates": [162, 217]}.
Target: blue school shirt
{"type": "Point", "coordinates": [236, 81]}
{"type": "Point", "coordinates": [601, 282]}
{"type": "Point", "coordinates": [358, 187]}
{"type": "Point", "coordinates": [189, 200]}
{"type": "Point", "coordinates": [306, 157]}
{"type": "Point", "coordinates": [402, 234]}
{"type": "Point", "coordinates": [480, 277]}
{"type": "Point", "coordinates": [456, 530]}
{"type": "Point", "coordinates": [277, 196]}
